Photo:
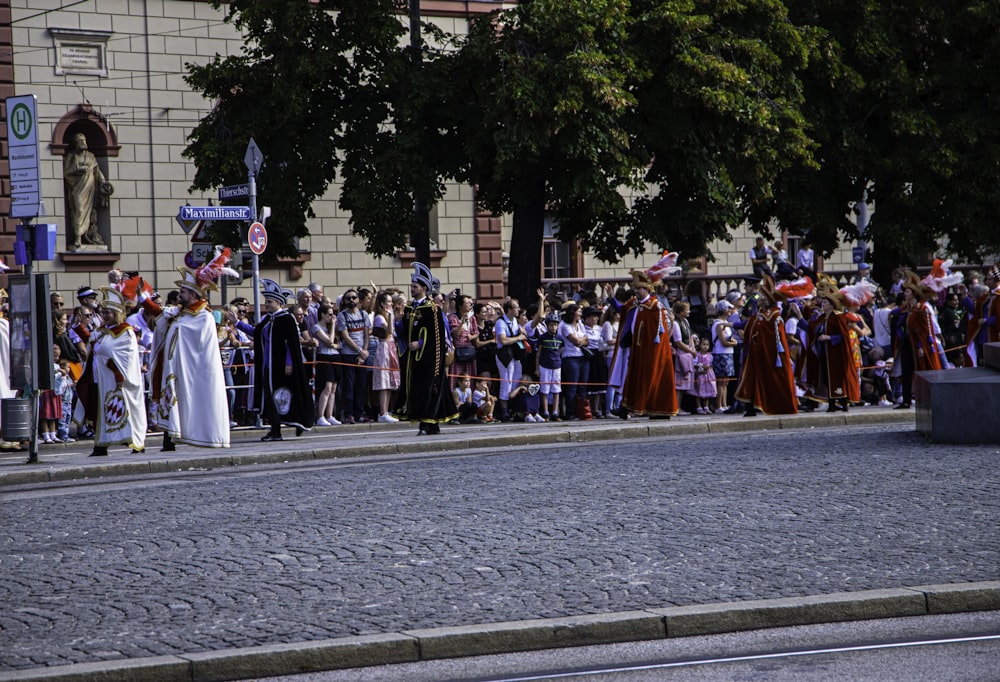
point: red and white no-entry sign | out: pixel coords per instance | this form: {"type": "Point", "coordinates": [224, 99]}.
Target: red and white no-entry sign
{"type": "Point", "coordinates": [257, 236]}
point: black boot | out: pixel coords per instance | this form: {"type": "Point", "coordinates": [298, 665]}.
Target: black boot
{"type": "Point", "coordinates": [99, 451]}
{"type": "Point", "coordinates": [168, 443]}
{"type": "Point", "coordinates": [750, 411]}
{"type": "Point", "coordinates": [272, 435]}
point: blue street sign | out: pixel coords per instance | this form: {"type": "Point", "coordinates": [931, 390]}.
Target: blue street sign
{"type": "Point", "coordinates": [234, 192]}
{"type": "Point", "coordinates": [215, 213]}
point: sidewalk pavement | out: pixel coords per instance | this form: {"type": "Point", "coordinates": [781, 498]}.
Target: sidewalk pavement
{"type": "Point", "coordinates": [61, 464]}
{"type": "Point", "coordinates": [70, 461]}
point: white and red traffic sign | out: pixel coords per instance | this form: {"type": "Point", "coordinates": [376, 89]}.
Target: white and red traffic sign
{"type": "Point", "coordinates": [257, 236]}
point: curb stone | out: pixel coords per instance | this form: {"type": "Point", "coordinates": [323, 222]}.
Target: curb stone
{"type": "Point", "coordinates": [511, 637]}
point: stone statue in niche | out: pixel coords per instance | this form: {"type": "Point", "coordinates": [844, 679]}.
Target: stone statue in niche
{"type": "Point", "coordinates": [86, 190]}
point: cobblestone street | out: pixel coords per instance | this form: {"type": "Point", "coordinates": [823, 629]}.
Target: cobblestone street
{"type": "Point", "coordinates": [148, 567]}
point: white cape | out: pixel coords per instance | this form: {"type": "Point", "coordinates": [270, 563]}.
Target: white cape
{"type": "Point", "coordinates": [192, 405]}
{"type": "Point", "coordinates": [121, 412]}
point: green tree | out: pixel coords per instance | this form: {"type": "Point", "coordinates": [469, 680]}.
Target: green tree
{"type": "Point", "coordinates": [537, 109]}
{"type": "Point", "coordinates": [899, 100]}
{"type": "Point", "coordinates": [302, 89]}
{"type": "Point", "coordinates": [720, 116]}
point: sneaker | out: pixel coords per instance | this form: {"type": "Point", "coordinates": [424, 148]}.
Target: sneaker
{"type": "Point", "coordinates": [68, 439]}
{"type": "Point", "coordinates": [387, 419]}
{"type": "Point", "coordinates": [349, 419]}
{"type": "Point", "coordinates": [233, 424]}
{"type": "Point", "coordinates": [323, 422]}
{"type": "Point", "coordinates": [46, 438]}
{"type": "Point", "coordinates": [885, 403]}
{"type": "Point", "coordinates": [333, 421]}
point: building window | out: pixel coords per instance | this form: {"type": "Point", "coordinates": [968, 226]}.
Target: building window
{"type": "Point", "coordinates": [557, 257]}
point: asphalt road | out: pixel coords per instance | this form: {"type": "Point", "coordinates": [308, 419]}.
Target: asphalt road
{"type": "Point", "coordinates": [226, 559]}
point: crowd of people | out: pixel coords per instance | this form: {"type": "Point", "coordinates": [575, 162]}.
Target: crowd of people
{"type": "Point", "coordinates": [128, 361]}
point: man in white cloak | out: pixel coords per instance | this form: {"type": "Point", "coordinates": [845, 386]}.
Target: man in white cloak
{"type": "Point", "coordinates": [111, 388]}
{"type": "Point", "coordinates": [189, 400]}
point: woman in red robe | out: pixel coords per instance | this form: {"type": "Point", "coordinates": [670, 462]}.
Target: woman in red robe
{"type": "Point", "coordinates": [767, 380]}
{"type": "Point", "coordinates": [920, 325]}
{"type": "Point", "coordinates": [834, 350]}
{"type": "Point", "coordinates": [643, 361]}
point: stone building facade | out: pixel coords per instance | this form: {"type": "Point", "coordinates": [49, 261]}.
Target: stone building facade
{"type": "Point", "coordinates": [113, 70]}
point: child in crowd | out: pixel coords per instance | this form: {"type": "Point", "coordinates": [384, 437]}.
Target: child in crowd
{"type": "Point", "coordinates": [875, 387]}
{"type": "Point", "coordinates": [704, 388]}
{"type": "Point", "coordinates": [484, 401]}
{"type": "Point", "coordinates": [463, 398]}
{"type": "Point", "coordinates": [65, 388]}
{"type": "Point", "coordinates": [550, 367]}
{"type": "Point", "coordinates": [50, 406]}
{"type": "Point", "coordinates": [524, 400]}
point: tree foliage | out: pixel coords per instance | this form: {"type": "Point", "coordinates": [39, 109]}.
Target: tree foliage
{"type": "Point", "coordinates": [538, 108]}
{"type": "Point", "coordinates": [302, 77]}
{"type": "Point", "coordinates": [900, 103]}
{"type": "Point", "coordinates": [720, 115]}
{"type": "Point", "coordinates": [627, 122]}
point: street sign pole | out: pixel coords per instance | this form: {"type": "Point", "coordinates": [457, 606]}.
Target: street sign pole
{"type": "Point", "coordinates": [254, 160]}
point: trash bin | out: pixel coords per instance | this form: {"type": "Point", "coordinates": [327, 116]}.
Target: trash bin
{"type": "Point", "coordinates": [16, 419]}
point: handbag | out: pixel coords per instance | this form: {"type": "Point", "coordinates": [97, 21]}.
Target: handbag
{"type": "Point", "coordinates": [465, 353]}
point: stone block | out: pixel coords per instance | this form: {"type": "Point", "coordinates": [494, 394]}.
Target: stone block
{"type": "Point", "coordinates": [706, 619]}
{"type": "Point", "coordinates": [958, 405]}
{"type": "Point", "coordinates": [530, 635]}
{"type": "Point", "coordinates": [303, 657]}
{"type": "Point", "coordinates": [991, 355]}
{"type": "Point", "coordinates": [961, 598]}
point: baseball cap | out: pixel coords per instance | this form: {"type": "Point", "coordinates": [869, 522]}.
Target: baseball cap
{"type": "Point", "coordinates": [723, 307]}
{"type": "Point", "coordinates": [864, 266]}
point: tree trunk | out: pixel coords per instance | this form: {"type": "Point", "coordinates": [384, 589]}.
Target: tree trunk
{"type": "Point", "coordinates": [524, 270]}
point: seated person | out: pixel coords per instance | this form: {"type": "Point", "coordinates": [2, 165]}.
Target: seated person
{"type": "Point", "coordinates": [484, 401]}
{"type": "Point", "coordinates": [525, 400]}
{"type": "Point", "coordinates": [463, 399]}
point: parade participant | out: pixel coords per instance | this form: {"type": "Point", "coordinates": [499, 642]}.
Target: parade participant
{"type": "Point", "coordinates": [110, 391]}
{"type": "Point", "coordinates": [921, 326]}
{"type": "Point", "coordinates": [643, 364]}
{"type": "Point", "coordinates": [429, 399]}
{"type": "Point", "coordinates": [188, 385]}
{"type": "Point", "coordinates": [85, 318]}
{"type": "Point", "coordinates": [5, 389]}
{"type": "Point", "coordinates": [767, 380]}
{"type": "Point", "coordinates": [990, 321]}
{"type": "Point", "coordinates": [281, 393]}
{"type": "Point", "coordinates": [833, 351]}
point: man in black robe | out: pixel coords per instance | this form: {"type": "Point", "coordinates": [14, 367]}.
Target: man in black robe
{"type": "Point", "coordinates": [281, 385]}
{"type": "Point", "coordinates": [427, 340]}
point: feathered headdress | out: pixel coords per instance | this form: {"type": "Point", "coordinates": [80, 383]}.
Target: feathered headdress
{"type": "Point", "coordinates": [859, 293]}
{"type": "Point", "coordinates": [203, 279]}
{"type": "Point", "coordinates": [826, 288]}
{"type": "Point", "coordinates": [666, 266]}
{"type": "Point", "coordinates": [641, 279]}
{"type": "Point", "coordinates": [132, 287]}
{"type": "Point", "coordinates": [911, 281]}
{"type": "Point", "coordinates": [800, 288]}
{"type": "Point", "coordinates": [767, 289]}
{"type": "Point", "coordinates": [941, 277]}
{"type": "Point", "coordinates": [114, 299]}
